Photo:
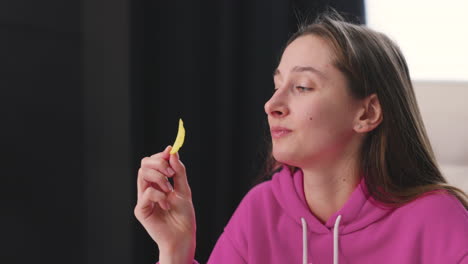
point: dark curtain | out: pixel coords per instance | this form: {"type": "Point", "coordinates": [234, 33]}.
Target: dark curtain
{"type": "Point", "coordinates": [89, 87]}
{"type": "Point", "coordinates": [210, 63]}
{"type": "Point", "coordinates": [41, 164]}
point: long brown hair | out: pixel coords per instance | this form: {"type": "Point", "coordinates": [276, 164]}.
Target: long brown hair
{"type": "Point", "coordinates": [397, 158]}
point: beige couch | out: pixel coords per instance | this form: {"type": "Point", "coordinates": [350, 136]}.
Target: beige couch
{"type": "Point", "coordinates": [444, 108]}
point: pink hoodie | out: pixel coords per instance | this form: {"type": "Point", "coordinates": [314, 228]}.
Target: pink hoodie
{"type": "Point", "coordinates": [273, 224]}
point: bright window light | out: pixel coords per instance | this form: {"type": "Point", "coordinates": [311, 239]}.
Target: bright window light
{"type": "Point", "coordinates": [433, 35]}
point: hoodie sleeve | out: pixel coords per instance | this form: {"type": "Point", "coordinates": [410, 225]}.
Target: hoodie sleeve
{"type": "Point", "coordinates": [464, 260]}
{"type": "Point", "coordinates": [232, 246]}
{"type": "Point", "coordinates": [444, 229]}
{"type": "Point", "coordinates": [194, 262]}
{"type": "Point", "coordinates": [225, 252]}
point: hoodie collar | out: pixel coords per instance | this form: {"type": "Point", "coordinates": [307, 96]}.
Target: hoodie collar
{"type": "Point", "coordinates": [359, 211]}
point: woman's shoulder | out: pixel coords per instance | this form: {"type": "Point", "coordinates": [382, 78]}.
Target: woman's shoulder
{"type": "Point", "coordinates": [437, 208]}
{"type": "Point", "coordinates": [438, 202]}
{"type": "Point", "coordinates": [255, 202]}
{"type": "Point", "coordinates": [259, 193]}
{"type": "Point", "coordinates": [440, 220]}
{"type": "Point", "coordinates": [252, 206]}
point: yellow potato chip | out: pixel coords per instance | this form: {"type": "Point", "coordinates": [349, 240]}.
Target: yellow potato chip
{"type": "Point", "coordinates": [180, 138]}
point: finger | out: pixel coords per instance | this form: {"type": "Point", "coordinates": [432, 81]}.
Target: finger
{"type": "Point", "coordinates": [157, 162]}
{"type": "Point", "coordinates": [165, 153]}
{"type": "Point", "coordinates": [151, 197]}
{"type": "Point", "coordinates": [141, 183]}
{"type": "Point", "coordinates": [154, 176]}
{"type": "Point", "coordinates": [180, 177]}
{"type": "Point", "coordinates": [156, 196]}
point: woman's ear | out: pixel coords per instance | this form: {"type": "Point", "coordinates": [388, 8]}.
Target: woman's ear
{"type": "Point", "coordinates": [369, 115]}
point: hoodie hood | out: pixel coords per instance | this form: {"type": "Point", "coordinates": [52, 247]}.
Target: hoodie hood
{"type": "Point", "coordinates": [358, 212]}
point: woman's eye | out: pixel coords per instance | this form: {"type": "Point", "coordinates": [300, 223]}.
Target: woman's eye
{"type": "Point", "coordinates": [303, 89]}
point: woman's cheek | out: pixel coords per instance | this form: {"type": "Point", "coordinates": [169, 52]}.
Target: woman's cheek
{"type": "Point", "coordinates": [316, 114]}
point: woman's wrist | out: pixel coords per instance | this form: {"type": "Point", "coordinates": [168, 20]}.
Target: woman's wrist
{"type": "Point", "coordinates": [180, 254]}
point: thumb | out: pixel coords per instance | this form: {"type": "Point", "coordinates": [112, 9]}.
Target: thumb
{"type": "Point", "coordinates": [166, 152]}
{"type": "Point", "coordinates": [180, 178]}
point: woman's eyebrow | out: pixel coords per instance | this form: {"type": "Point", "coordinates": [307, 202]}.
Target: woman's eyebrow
{"type": "Point", "coordinates": [302, 69]}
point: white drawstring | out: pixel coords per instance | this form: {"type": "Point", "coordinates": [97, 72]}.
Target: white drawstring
{"type": "Point", "coordinates": [304, 241]}
{"type": "Point", "coordinates": [335, 240]}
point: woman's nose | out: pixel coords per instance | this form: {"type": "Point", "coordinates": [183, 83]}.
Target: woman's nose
{"type": "Point", "coordinates": [276, 106]}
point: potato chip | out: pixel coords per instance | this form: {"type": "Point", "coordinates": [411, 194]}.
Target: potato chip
{"type": "Point", "coordinates": [180, 138]}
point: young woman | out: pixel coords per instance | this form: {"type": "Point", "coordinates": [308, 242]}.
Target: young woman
{"type": "Point", "coordinates": [354, 176]}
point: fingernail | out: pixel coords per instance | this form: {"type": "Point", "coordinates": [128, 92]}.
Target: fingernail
{"type": "Point", "coordinates": [169, 186]}
{"type": "Point", "coordinates": [168, 206]}
{"type": "Point", "coordinates": [170, 171]}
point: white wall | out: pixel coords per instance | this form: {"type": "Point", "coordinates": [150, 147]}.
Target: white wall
{"type": "Point", "coordinates": [432, 34]}
{"type": "Point", "coordinates": [444, 109]}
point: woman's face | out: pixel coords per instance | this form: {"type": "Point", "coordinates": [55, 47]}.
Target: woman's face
{"type": "Point", "coordinates": [311, 114]}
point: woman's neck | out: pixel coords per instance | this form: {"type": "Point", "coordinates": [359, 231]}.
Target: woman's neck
{"type": "Point", "coordinates": [327, 190]}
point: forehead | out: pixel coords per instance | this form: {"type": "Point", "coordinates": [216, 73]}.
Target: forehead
{"type": "Point", "coordinates": [308, 50]}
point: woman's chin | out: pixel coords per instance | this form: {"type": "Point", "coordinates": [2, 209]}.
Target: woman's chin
{"type": "Point", "coordinates": [285, 158]}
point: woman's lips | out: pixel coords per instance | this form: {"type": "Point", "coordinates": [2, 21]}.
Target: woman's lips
{"type": "Point", "coordinates": [279, 132]}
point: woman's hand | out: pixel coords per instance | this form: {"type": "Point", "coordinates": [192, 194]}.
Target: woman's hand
{"type": "Point", "coordinates": [166, 213]}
